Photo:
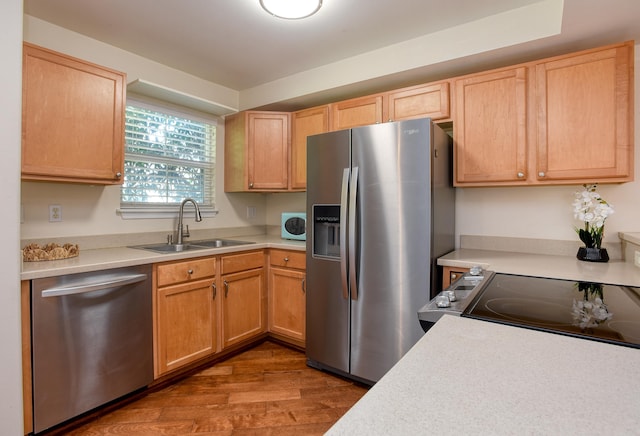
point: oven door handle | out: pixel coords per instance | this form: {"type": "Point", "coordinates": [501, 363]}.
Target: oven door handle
{"type": "Point", "coordinates": [83, 288]}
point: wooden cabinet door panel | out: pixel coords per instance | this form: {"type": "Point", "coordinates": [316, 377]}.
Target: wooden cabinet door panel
{"type": "Point", "coordinates": [268, 150]}
{"type": "Point", "coordinates": [243, 307]}
{"type": "Point", "coordinates": [304, 123]}
{"type": "Point", "coordinates": [584, 116]}
{"type": "Point", "coordinates": [287, 303]}
{"type": "Point", "coordinates": [186, 324]}
{"type": "Point", "coordinates": [419, 101]}
{"type": "Point", "coordinates": [356, 112]}
{"type": "Point", "coordinates": [72, 119]}
{"type": "Point", "coordinates": [490, 129]}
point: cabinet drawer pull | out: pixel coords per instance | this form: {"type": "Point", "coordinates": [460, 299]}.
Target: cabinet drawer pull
{"type": "Point", "coordinates": [286, 259]}
{"type": "Point", "coordinates": [189, 271]}
{"type": "Point", "coordinates": [226, 288]}
{"type": "Point", "coordinates": [215, 290]}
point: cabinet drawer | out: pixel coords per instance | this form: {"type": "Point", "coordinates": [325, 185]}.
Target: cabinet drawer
{"type": "Point", "coordinates": [241, 262]}
{"type": "Point", "coordinates": [451, 274]}
{"type": "Point", "coordinates": [288, 259]}
{"type": "Point", "coordinates": [182, 271]}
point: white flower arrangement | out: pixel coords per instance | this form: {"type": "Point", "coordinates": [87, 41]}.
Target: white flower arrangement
{"type": "Point", "coordinates": [593, 211]}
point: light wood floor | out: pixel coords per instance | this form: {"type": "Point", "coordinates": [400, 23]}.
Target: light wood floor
{"type": "Point", "coordinates": [268, 390]}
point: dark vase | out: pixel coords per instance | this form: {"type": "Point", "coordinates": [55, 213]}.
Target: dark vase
{"type": "Point", "coordinates": [593, 254]}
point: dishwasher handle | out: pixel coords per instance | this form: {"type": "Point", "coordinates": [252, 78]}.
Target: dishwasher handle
{"type": "Point", "coordinates": [110, 282]}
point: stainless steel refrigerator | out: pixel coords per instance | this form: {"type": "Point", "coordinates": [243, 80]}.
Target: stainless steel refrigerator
{"type": "Point", "coordinates": [380, 210]}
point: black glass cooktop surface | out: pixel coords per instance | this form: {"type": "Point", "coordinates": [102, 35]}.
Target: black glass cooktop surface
{"type": "Point", "coordinates": [597, 311]}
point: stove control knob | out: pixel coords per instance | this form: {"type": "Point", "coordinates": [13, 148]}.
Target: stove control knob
{"type": "Point", "coordinates": [442, 300]}
{"type": "Point", "coordinates": [475, 270]}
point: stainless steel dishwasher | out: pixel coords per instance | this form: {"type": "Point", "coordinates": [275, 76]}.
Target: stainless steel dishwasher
{"type": "Point", "coordinates": [92, 337]}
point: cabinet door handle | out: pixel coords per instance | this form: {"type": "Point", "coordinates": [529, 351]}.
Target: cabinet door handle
{"type": "Point", "coordinates": [520, 175]}
{"type": "Point", "coordinates": [226, 288]}
{"type": "Point", "coordinates": [251, 185]}
{"type": "Point", "coordinates": [118, 175]}
{"type": "Point", "coordinates": [304, 286]}
{"type": "Point", "coordinates": [541, 174]}
{"type": "Point", "coordinates": [215, 290]}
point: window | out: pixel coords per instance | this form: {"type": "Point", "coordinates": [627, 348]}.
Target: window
{"type": "Point", "coordinates": [169, 156]}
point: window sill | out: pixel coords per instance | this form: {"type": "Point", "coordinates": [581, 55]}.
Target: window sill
{"type": "Point", "coordinates": [132, 213]}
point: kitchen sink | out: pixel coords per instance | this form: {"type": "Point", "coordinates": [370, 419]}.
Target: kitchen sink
{"type": "Point", "coordinates": [169, 248]}
{"type": "Point", "coordinates": [217, 243]}
{"type": "Point", "coordinates": [192, 245]}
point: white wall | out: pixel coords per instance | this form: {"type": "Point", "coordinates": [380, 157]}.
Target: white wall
{"type": "Point", "coordinates": [10, 135]}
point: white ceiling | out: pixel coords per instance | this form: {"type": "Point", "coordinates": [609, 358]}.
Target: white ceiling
{"type": "Point", "coordinates": [236, 44]}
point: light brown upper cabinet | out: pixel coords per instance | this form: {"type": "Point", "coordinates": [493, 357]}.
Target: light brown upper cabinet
{"type": "Point", "coordinates": [585, 113]}
{"type": "Point", "coordinates": [422, 101]}
{"type": "Point", "coordinates": [256, 151]}
{"type": "Point", "coordinates": [304, 123]}
{"type": "Point", "coordinates": [490, 127]}
{"type": "Point", "coordinates": [427, 100]}
{"type": "Point", "coordinates": [563, 120]}
{"type": "Point", "coordinates": [356, 112]}
{"type": "Point", "coordinates": [72, 119]}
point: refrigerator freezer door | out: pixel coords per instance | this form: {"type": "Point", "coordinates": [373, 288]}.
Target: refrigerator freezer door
{"type": "Point", "coordinates": [393, 242]}
{"type": "Point", "coordinates": [327, 341]}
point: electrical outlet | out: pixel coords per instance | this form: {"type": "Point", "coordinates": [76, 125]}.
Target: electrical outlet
{"type": "Point", "coordinates": [636, 259]}
{"type": "Point", "coordinates": [251, 212]}
{"type": "Point", "coordinates": [55, 213]}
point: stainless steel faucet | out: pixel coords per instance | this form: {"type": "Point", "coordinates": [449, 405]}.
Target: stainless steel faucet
{"type": "Point", "coordinates": [198, 219]}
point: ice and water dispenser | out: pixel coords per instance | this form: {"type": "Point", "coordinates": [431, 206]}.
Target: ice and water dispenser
{"type": "Point", "coordinates": [326, 230]}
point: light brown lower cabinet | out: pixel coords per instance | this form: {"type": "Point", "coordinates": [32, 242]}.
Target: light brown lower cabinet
{"type": "Point", "coordinates": [186, 307]}
{"type": "Point", "coordinates": [244, 297]}
{"type": "Point", "coordinates": [287, 296]}
{"type": "Point", "coordinates": [25, 303]}
{"type": "Point", "coordinates": [451, 274]}
{"type": "Point", "coordinates": [201, 310]}
{"type": "Point", "coordinates": [187, 323]}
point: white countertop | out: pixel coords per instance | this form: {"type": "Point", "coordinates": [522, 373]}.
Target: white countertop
{"type": "Point", "coordinates": [106, 258]}
{"type": "Point", "coordinates": [562, 267]}
{"type": "Point", "coordinates": [633, 237]}
{"type": "Point", "coordinates": [474, 377]}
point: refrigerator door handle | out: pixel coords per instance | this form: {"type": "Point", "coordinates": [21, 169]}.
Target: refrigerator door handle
{"type": "Point", "coordinates": [353, 194]}
{"type": "Point", "coordinates": [343, 233]}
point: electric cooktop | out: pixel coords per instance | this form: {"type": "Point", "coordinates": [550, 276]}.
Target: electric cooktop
{"type": "Point", "coordinates": [598, 311]}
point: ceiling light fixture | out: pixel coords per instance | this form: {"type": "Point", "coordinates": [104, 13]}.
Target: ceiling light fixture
{"type": "Point", "coordinates": [291, 9]}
